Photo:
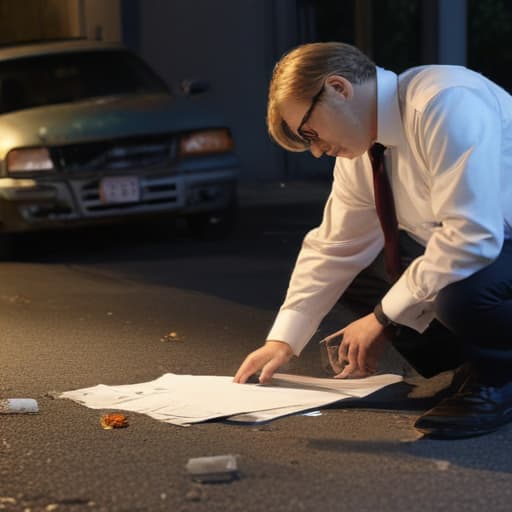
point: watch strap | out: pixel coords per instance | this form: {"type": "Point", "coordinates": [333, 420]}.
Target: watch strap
{"type": "Point", "coordinates": [381, 316]}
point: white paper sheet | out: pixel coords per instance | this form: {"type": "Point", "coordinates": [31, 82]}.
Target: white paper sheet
{"type": "Point", "coordinates": [188, 399]}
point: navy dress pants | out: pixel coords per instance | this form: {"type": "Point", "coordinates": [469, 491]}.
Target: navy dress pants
{"type": "Point", "coordinates": [473, 317]}
{"type": "Point", "coordinates": [479, 310]}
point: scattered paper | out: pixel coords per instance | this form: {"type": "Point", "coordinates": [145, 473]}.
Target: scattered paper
{"type": "Point", "coordinates": [187, 399]}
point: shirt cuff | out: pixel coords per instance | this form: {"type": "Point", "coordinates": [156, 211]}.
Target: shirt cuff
{"type": "Point", "coordinates": [294, 328]}
{"type": "Point", "coordinates": [402, 307]}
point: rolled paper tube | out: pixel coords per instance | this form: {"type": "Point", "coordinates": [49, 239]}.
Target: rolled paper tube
{"type": "Point", "coordinates": [18, 405]}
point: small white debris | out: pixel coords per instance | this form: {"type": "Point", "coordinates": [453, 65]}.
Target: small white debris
{"type": "Point", "coordinates": [220, 468]}
{"type": "Point", "coordinates": [18, 406]}
{"type": "Point", "coordinates": [7, 500]}
{"type": "Point", "coordinates": [442, 465]}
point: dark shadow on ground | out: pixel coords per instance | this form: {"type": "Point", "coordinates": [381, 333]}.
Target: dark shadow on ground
{"type": "Point", "coordinates": [488, 452]}
{"type": "Point", "coordinates": [258, 255]}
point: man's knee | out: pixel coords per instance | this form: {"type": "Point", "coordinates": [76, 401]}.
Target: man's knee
{"type": "Point", "coordinates": [456, 303]}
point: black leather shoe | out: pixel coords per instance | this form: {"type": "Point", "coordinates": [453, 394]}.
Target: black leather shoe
{"type": "Point", "coordinates": [475, 409]}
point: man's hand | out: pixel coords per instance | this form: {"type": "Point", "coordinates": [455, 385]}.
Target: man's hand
{"type": "Point", "coordinates": [267, 358]}
{"type": "Point", "coordinates": [362, 345]}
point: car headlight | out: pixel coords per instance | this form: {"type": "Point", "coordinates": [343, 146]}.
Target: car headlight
{"type": "Point", "coordinates": [29, 160]}
{"type": "Point", "coordinates": [206, 141]}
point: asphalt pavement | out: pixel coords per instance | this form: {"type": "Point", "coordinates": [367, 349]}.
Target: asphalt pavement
{"type": "Point", "coordinates": [97, 306]}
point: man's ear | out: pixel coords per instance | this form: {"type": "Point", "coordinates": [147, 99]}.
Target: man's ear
{"type": "Point", "coordinates": [340, 85]}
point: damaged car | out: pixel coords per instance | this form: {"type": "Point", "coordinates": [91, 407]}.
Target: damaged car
{"type": "Point", "coordinates": [89, 134]}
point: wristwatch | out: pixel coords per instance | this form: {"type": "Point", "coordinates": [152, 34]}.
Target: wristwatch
{"type": "Point", "coordinates": [381, 316]}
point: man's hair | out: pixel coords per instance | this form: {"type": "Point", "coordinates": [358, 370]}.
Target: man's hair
{"type": "Point", "coordinates": [300, 74]}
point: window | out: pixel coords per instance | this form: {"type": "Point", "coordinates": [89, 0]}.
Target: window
{"type": "Point", "coordinates": [74, 76]}
{"type": "Point", "coordinates": [490, 39]}
{"type": "Point", "coordinates": [389, 31]}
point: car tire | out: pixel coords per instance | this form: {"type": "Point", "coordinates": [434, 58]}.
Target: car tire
{"type": "Point", "coordinates": [213, 225]}
{"type": "Point", "coordinates": [7, 246]}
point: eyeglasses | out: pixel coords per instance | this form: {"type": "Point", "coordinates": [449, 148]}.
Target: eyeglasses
{"type": "Point", "coordinates": [308, 135]}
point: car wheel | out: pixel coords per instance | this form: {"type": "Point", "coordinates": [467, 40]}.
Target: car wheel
{"type": "Point", "coordinates": [213, 225]}
{"type": "Point", "coordinates": [7, 246]}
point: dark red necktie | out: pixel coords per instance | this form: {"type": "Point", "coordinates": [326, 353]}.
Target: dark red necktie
{"type": "Point", "coordinates": [385, 207]}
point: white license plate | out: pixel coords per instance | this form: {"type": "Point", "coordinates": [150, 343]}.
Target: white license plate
{"type": "Point", "coordinates": [120, 189]}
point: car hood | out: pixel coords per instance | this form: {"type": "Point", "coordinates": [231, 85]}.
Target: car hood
{"type": "Point", "coordinates": [103, 118]}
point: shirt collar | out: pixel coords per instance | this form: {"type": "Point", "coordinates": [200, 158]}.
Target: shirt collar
{"type": "Point", "coordinates": [389, 121]}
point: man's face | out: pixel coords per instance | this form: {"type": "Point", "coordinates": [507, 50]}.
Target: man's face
{"type": "Point", "coordinates": [337, 125]}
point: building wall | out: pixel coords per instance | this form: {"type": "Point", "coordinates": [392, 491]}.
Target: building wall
{"type": "Point", "coordinates": [233, 44]}
{"type": "Point", "coordinates": [32, 20]}
{"type": "Point", "coordinates": [227, 43]}
{"type": "Point", "coordinates": [101, 19]}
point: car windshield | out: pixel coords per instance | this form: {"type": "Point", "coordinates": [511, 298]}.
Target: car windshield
{"type": "Point", "coordinates": [73, 76]}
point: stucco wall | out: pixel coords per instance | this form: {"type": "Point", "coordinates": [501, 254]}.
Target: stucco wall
{"type": "Point", "coordinates": [101, 19]}
{"type": "Point", "coordinates": [228, 43]}
{"type": "Point", "coordinates": [38, 20]}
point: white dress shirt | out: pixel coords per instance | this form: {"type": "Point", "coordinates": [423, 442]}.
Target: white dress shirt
{"type": "Point", "coordinates": [448, 131]}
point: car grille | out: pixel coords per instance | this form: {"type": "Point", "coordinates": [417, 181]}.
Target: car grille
{"type": "Point", "coordinates": [157, 193]}
{"type": "Point", "coordinates": [117, 154]}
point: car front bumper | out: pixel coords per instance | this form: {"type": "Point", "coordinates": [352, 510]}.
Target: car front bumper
{"type": "Point", "coordinates": [53, 202]}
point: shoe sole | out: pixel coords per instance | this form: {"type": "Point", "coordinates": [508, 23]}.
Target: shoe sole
{"type": "Point", "coordinates": [450, 434]}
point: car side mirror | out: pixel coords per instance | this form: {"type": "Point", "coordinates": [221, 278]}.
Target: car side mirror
{"type": "Point", "coordinates": [192, 87]}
